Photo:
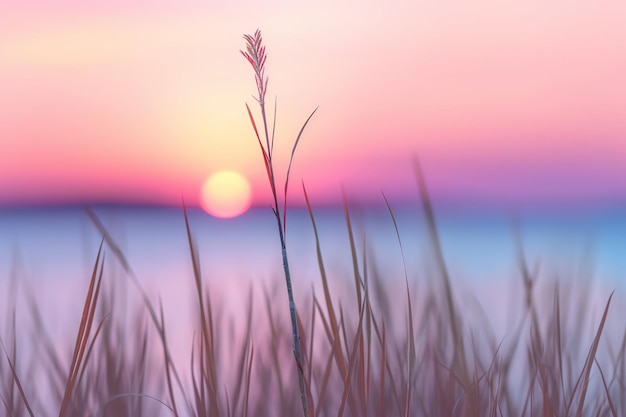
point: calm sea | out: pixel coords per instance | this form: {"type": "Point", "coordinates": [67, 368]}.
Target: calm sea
{"type": "Point", "coordinates": [60, 244]}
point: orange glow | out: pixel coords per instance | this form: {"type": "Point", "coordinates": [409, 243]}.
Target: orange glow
{"type": "Point", "coordinates": [226, 194]}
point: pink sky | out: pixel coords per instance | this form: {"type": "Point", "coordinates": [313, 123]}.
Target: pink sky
{"type": "Point", "coordinates": [508, 103]}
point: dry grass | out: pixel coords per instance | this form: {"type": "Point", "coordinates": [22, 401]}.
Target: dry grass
{"type": "Point", "coordinates": [373, 352]}
{"type": "Point", "coordinates": [255, 55]}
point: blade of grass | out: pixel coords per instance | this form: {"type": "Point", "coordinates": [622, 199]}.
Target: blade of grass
{"type": "Point", "coordinates": [83, 331]}
{"type": "Point", "coordinates": [606, 389]}
{"type": "Point", "coordinates": [293, 152]}
{"type": "Point", "coordinates": [309, 371]}
{"type": "Point", "coordinates": [459, 359]}
{"type": "Point", "coordinates": [18, 383]}
{"type": "Point", "coordinates": [325, 380]}
{"type": "Point", "coordinates": [411, 341]}
{"type": "Point", "coordinates": [330, 310]}
{"type": "Point", "coordinates": [266, 159]}
{"type": "Point", "coordinates": [168, 362]}
{"type": "Point", "coordinates": [351, 362]}
{"type": "Point", "coordinates": [353, 252]}
{"type": "Point", "coordinates": [247, 382]}
{"type": "Point", "coordinates": [206, 327]}
{"type": "Point", "coordinates": [242, 359]}
{"type": "Point", "coordinates": [383, 363]}
{"type": "Point", "coordinates": [101, 407]}
{"type": "Point", "coordinates": [590, 358]}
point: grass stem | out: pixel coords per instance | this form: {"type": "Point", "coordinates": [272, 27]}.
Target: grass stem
{"type": "Point", "coordinates": [255, 54]}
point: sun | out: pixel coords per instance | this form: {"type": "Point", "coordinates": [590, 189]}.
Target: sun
{"type": "Point", "coordinates": [226, 194]}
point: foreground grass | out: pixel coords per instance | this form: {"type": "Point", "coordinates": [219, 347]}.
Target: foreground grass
{"type": "Point", "coordinates": [374, 351]}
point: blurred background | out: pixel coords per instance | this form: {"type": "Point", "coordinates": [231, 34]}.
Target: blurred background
{"type": "Point", "coordinates": [517, 113]}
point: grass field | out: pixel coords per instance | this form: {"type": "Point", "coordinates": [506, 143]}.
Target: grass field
{"type": "Point", "coordinates": [370, 348]}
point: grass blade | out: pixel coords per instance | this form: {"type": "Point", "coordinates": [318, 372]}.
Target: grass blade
{"type": "Point", "coordinates": [459, 359]}
{"type": "Point", "coordinates": [18, 383]}
{"type": "Point", "coordinates": [590, 359]}
{"type": "Point", "coordinates": [293, 152]}
{"type": "Point", "coordinates": [83, 332]}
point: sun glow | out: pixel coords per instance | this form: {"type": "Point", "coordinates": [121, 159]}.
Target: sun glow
{"type": "Point", "coordinates": [226, 194]}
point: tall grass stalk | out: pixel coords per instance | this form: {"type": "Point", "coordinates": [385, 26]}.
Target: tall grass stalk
{"type": "Point", "coordinates": [255, 54]}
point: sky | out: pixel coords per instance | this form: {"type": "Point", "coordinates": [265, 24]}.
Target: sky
{"type": "Point", "coordinates": [512, 104]}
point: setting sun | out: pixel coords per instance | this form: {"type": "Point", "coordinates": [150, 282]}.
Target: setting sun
{"type": "Point", "coordinates": [226, 194]}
